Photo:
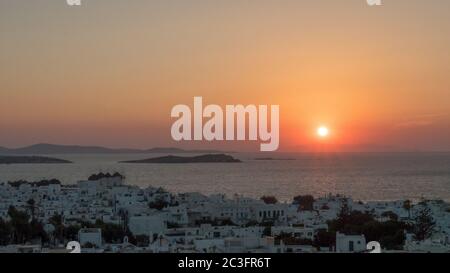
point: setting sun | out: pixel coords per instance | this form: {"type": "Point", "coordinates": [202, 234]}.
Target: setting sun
{"type": "Point", "coordinates": [322, 131]}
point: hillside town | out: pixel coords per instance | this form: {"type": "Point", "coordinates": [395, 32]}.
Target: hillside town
{"type": "Point", "coordinates": [105, 215]}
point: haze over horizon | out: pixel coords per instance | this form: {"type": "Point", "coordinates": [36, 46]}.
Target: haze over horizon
{"type": "Point", "coordinates": [42, 147]}
{"type": "Point", "coordinates": [108, 73]}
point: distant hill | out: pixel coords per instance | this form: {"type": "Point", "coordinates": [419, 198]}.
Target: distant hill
{"type": "Point", "coordinates": [31, 160]}
{"type": "Point", "coordinates": [46, 149]}
{"type": "Point", "coordinates": [274, 159]}
{"type": "Point", "coordinates": [209, 158]}
{"type": "Point", "coordinates": [35, 183]}
{"type": "Point", "coordinates": [165, 150]}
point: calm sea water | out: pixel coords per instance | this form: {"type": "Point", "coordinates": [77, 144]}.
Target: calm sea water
{"type": "Point", "coordinates": [376, 176]}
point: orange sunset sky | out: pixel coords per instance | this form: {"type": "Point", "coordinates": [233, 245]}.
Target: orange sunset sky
{"type": "Point", "coordinates": [108, 73]}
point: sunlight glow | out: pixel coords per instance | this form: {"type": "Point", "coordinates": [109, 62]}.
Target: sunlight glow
{"type": "Point", "coordinates": [323, 131]}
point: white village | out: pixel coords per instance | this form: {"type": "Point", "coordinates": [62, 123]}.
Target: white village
{"type": "Point", "coordinates": [105, 215]}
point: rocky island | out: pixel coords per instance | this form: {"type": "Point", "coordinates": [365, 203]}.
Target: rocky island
{"type": "Point", "coordinates": [273, 159]}
{"type": "Point", "coordinates": [31, 160]}
{"type": "Point", "coordinates": [209, 158]}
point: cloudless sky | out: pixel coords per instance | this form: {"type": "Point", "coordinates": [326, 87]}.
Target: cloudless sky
{"type": "Point", "coordinates": [109, 72]}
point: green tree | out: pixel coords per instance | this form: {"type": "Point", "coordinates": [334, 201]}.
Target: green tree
{"type": "Point", "coordinates": [20, 225]}
{"type": "Point", "coordinates": [71, 232]}
{"type": "Point", "coordinates": [269, 199]}
{"type": "Point", "coordinates": [424, 224]}
{"type": "Point", "coordinates": [391, 215]}
{"type": "Point", "coordinates": [304, 202]}
{"type": "Point", "coordinates": [111, 233]}
{"type": "Point", "coordinates": [290, 239]}
{"type": "Point", "coordinates": [407, 205]}
{"type": "Point", "coordinates": [5, 232]}
{"type": "Point", "coordinates": [324, 238]}
{"type": "Point", "coordinates": [142, 240]}
{"type": "Point", "coordinates": [37, 231]}
{"type": "Point", "coordinates": [344, 212]}
{"type": "Point", "coordinates": [58, 223]}
{"type": "Point", "coordinates": [158, 204]}
{"type": "Point", "coordinates": [31, 206]}
{"type": "Point", "coordinates": [267, 231]}
{"type": "Point", "coordinates": [390, 234]}
{"type": "Point", "coordinates": [252, 223]}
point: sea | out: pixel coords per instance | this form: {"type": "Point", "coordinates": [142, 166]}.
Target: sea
{"type": "Point", "coordinates": [362, 176]}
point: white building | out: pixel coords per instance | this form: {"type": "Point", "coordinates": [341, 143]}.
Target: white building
{"type": "Point", "coordinates": [147, 225]}
{"type": "Point", "coordinates": [90, 236]}
{"type": "Point", "coordinates": [350, 243]}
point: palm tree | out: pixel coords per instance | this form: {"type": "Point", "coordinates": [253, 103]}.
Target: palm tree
{"type": "Point", "coordinates": [407, 206]}
{"type": "Point", "coordinates": [123, 214]}
{"type": "Point", "coordinates": [31, 206]}
{"type": "Point", "coordinates": [58, 222]}
{"type": "Point", "coordinates": [424, 224]}
{"type": "Point", "coordinates": [20, 226]}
